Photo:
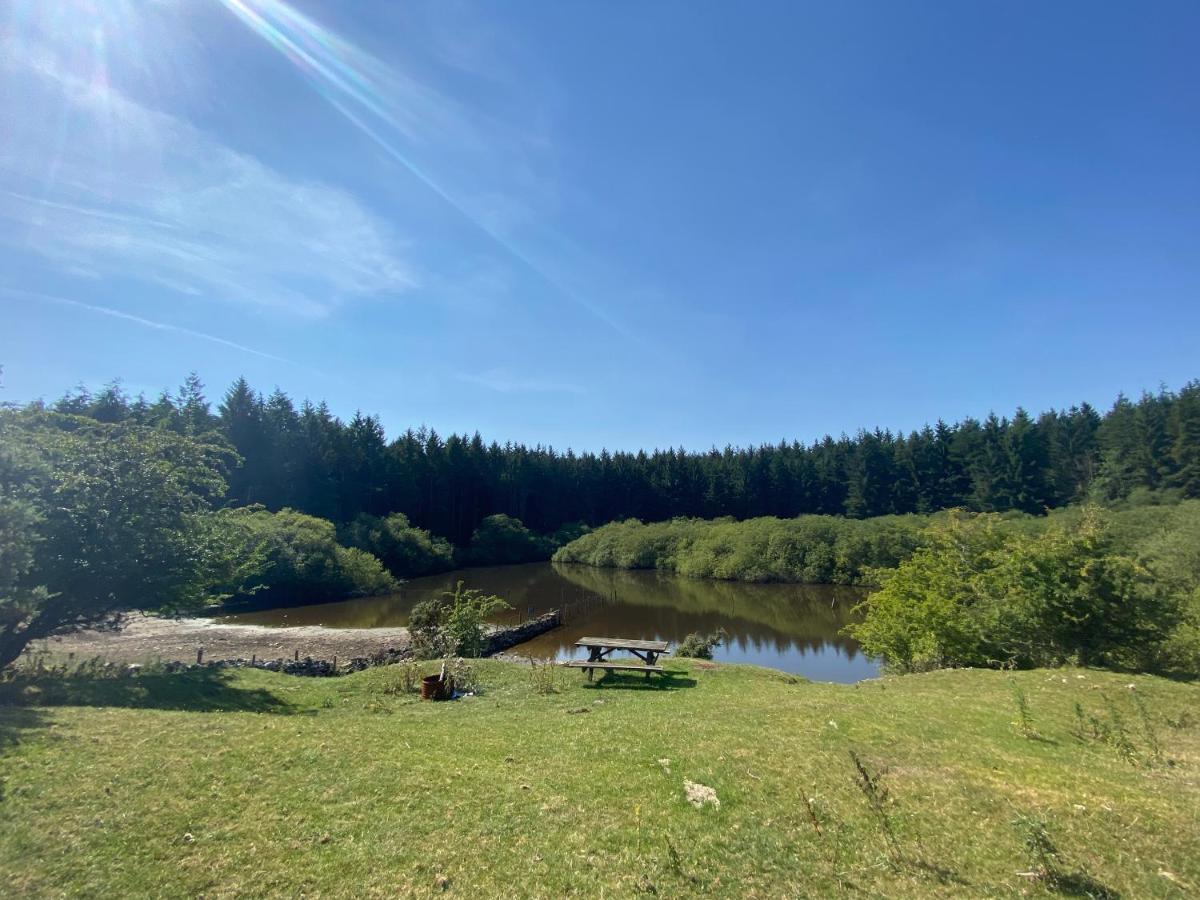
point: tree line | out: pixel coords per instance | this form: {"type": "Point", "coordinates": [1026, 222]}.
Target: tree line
{"type": "Point", "coordinates": [305, 458]}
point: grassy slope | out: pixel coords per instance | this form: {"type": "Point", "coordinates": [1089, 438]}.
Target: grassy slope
{"type": "Point", "coordinates": [252, 783]}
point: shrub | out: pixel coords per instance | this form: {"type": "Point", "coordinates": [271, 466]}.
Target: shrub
{"type": "Point", "coordinates": [813, 549]}
{"type": "Point", "coordinates": [452, 624]}
{"type": "Point", "coordinates": [406, 551]}
{"type": "Point", "coordinates": [301, 560]}
{"type": "Point", "coordinates": [975, 595]}
{"type": "Point", "coordinates": [502, 540]}
{"type": "Point", "coordinates": [698, 646]}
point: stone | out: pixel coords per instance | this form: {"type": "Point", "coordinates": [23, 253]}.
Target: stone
{"type": "Point", "coordinates": [700, 794]}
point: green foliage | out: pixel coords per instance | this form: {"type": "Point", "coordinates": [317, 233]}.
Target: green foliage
{"type": "Point", "coordinates": [406, 551]}
{"type": "Point", "coordinates": [452, 624]}
{"type": "Point", "coordinates": [808, 549]}
{"type": "Point", "coordinates": [699, 646]}
{"type": "Point", "coordinates": [96, 519]}
{"type": "Point", "coordinates": [501, 540]}
{"type": "Point", "coordinates": [979, 595]}
{"type": "Point", "coordinates": [308, 459]}
{"type": "Point", "coordinates": [300, 559]}
{"type": "Point", "coordinates": [1024, 721]}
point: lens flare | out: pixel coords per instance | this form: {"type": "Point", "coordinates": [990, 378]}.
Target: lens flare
{"type": "Point", "coordinates": [358, 86]}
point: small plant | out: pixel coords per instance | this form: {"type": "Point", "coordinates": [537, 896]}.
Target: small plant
{"type": "Point", "coordinates": [1042, 854]}
{"type": "Point", "coordinates": [1149, 732]}
{"type": "Point", "coordinates": [1116, 733]}
{"type": "Point", "coordinates": [1024, 721]}
{"type": "Point", "coordinates": [674, 860]}
{"type": "Point", "coordinates": [461, 674]}
{"type": "Point", "coordinates": [1081, 723]}
{"type": "Point", "coordinates": [829, 833]}
{"type": "Point", "coordinates": [1046, 863]}
{"type": "Point", "coordinates": [1185, 720]}
{"type": "Point", "coordinates": [876, 793]}
{"type": "Point", "coordinates": [453, 623]}
{"type": "Point", "coordinates": [543, 675]}
{"type": "Point", "coordinates": [698, 646]}
{"type": "Point", "coordinates": [428, 637]}
{"type": "Point", "coordinates": [407, 678]}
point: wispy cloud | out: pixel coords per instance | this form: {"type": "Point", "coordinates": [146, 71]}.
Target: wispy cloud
{"type": "Point", "coordinates": [110, 187]}
{"type": "Point", "coordinates": [505, 382]}
{"type": "Point", "coordinates": [140, 320]}
{"type": "Point", "coordinates": [427, 132]}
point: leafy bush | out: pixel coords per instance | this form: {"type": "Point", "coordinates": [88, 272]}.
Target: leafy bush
{"type": "Point", "coordinates": [698, 646]}
{"type": "Point", "coordinates": [978, 595]}
{"type": "Point", "coordinates": [452, 624]}
{"type": "Point", "coordinates": [406, 551]}
{"type": "Point", "coordinates": [810, 549]}
{"type": "Point", "coordinates": [301, 560]}
{"type": "Point", "coordinates": [501, 540]}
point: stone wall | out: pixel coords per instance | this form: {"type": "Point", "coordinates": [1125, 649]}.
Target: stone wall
{"type": "Point", "coordinates": [503, 638]}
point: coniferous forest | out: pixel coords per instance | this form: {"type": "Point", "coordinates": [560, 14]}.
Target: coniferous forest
{"type": "Point", "coordinates": [304, 457]}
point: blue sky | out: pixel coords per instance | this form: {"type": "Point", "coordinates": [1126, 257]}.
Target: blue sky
{"type": "Point", "coordinates": [604, 224]}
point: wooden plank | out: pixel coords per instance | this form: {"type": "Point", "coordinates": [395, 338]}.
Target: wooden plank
{"type": "Point", "coordinates": [610, 667]}
{"type": "Point", "coordinates": [622, 644]}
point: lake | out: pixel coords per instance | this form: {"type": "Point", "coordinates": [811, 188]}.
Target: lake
{"type": "Point", "coordinates": [792, 627]}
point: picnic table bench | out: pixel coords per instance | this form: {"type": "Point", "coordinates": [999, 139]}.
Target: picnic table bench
{"type": "Point", "coordinates": [600, 647]}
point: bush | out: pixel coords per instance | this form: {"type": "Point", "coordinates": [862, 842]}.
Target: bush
{"type": "Point", "coordinates": [698, 646]}
{"type": "Point", "coordinates": [980, 596]}
{"type": "Point", "coordinates": [301, 560]}
{"type": "Point", "coordinates": [406, 551]}
{"type": "Point", "coordinates": [452, 624]}
{"type": "Point", "coordinates": [807, 549]}
{"type": "Point", "coordinates": [502, 540]}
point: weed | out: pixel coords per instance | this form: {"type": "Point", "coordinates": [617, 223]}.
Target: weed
{"type": "Point", "coordinates": [543, 676]}
{"type": "Point", "coordinates": [1046, 864]}
{"type": "Point", "coordinates": [1148, 730]}
{"type": "Point", "coordinates": [1081, 723]}
{"type": "Point", "coordinates": [876, 793]}
{"type": "Point", "coordinates": [830, 834]}
{"type": "Point", "coordinates": [407, 680]}
{"type": "Point", "coordinates": [463, 675]}
{"type": "Point", "coordinates": [674, 861]}
{"type": "Point", "coordinates": [1185, 720]}
{"type": "Point", "coordinates": [1042, 854]}
{"type": "Point", "coordinates": [1024, 721]}
{"type": "Point", "coordinates": [1116, 733]}
{"type": "Point", "coordinates": [698, 646]}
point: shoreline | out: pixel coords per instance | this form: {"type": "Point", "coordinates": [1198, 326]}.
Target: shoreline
{"type": "Point", "coordinates": [145, 639]}
{"type": "Point", "coordinates": [150, 638]}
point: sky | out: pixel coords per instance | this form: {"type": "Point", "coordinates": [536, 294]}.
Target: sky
{"type": "Point", "coordinates": [624, 225]}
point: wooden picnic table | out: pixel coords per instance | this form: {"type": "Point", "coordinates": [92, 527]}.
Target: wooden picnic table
{"type": "Point", "coordinates": [600, 647]}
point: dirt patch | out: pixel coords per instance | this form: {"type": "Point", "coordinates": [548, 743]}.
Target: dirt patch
{"type": "Point", "coordinates": [146, 638]}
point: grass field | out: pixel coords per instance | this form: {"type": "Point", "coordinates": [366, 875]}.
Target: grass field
{"type": "Point", "coordinates": [221, 784]}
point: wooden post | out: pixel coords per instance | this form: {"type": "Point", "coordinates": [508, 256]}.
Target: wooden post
{"type": "Point", "coordinates": [199, 655]}
{"type": "Point", "coordinates": [296, 658]}
{"type": "Point", "coordinates": [253, 659]}
{"type": "Point", "coordinates": [335, 665]}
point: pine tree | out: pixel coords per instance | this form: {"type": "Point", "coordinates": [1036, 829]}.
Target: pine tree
{"type": "Point", "coordinates": [1185, 440]}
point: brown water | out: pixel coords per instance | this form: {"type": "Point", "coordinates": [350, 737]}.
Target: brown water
{"type": "Point", "coordinates": [792, 627]}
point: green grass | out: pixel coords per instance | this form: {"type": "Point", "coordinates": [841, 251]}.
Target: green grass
{"type": "Point", "coordinates": [250, 784]}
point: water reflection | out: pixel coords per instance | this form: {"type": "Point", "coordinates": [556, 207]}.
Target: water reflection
{"type": "Point", "coordinates": [785, 626]}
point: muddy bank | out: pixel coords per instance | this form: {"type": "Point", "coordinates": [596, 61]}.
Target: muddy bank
{"type": "Point", "coordinates": [146, 638]}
